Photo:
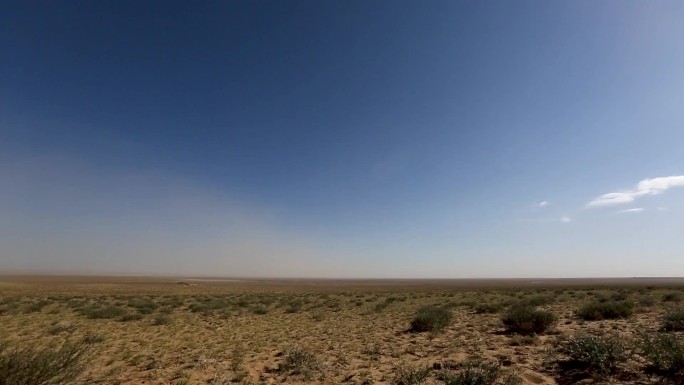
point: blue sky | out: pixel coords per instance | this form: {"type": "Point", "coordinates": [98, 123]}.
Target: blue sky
{"type": "Point", "coordinates": [343, 138]}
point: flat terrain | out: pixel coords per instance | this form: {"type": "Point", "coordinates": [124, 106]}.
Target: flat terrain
{"type": "Point", "coordinates": [252, 331]}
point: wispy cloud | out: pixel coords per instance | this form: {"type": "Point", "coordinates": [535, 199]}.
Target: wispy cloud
{"type": "Point", "coordinates": [628, 211]}
{"type": "Point", "coordinates": [566, 219]}
{"type": "Point", "coordinates": [646, 187]}
{"type": "Point", "coordinates": [544, 204]}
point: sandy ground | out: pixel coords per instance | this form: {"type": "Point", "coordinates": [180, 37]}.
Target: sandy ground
{"type": "Point", "coordinates": [216, 331]}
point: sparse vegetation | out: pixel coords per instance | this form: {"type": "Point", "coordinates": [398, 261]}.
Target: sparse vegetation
{"type": "Point", "coordinates": [664, 354]}
{"type": "Point", "coordinates": [431, 319]}
{"type": "Point", "coordinates": [527, 319]}
{"type": "Point", "coordinates": [131, 317]}
{"type": "Point", "coordinates": [674, 320]}
{"type": "Point", "coordinates": [674, 296]}
{"type": "Point", "coordinates": [161, 319]}
{"type": "Point", "coordinates": [349, 336]}
{"type": "Point", "coordinates": [36, 307]}
{"type": "Point", "coordinates": [597, 311]}
{"type": "Point", "coordinates": [598, 355]}
{"type": "Point", "coordinates": [479, 373]}
{"type": "Point", "coordinates": [261, 310]}
{"type": "Point", "coordinates": [61, 327]}
{"type": "Point", "coordinates": [410, 375]}
{"type": "Point", "coordinates": [536, 300]}
{"type": "Point", "coordinates": [110, 311]}
{"type": "Point", "coordinates": [488, 308]}
{"type": "Point", "coordinates": [646, 301]}
{"type": "Point", "coordinates": [41, 366]}
{"type": "Point", "coordinates": [300, 361]}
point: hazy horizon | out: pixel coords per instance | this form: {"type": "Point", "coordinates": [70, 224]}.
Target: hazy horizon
{"type": "Point", "coordinates": [332, 139]}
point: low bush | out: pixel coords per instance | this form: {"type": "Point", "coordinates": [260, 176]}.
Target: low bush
{"type": "Point", "coordinates": [598, 355]}
{"type": "Point", "coordinates": [60, 327]}
{"type": "Point", "coordinates": [103, 312]}
{"type": "Point", "coordinates": [537, 300]}
{"type": "Point", "coordinates": [620, 296]}
{"type": "Point", "coordinates": [299, 361]}
{"type": "Point", "coordinates": [526, 319]}
{"type": "Point", "coordinates": [672, 297]}
{"type": "Point", "coordinates": [664, 354]}
{"type": "Point", "coordinates": [207, 306]}
{"type": "Point", "coordinates": [36, 307]}
{"type": "Point", "coordinates": [131, 317]}
{"type": "Point", "coordinates": [172, 302]}
{"type": "Point", "coordinates": [597, 311]}
{"type": "Point", "coordinates": [294, 307]}
{"type": "Point", "coordinates": [36, 366]}
{"type": "Point", "coordinates": [646, 301]}
{"type": "Point", "coordinates": [674, 320]}
{"type": "Point", "coordinates": [523, 340]}
{"type": "Point", "coordinates": [488, 308]}
{"type": "Point", "coordinates": [260, 310]}
{"type": "Point", "coordinates": [161, 319]}
{"type": "Point", "coordinates": [431, 319]}
{"type": "Point", "coordinates": [90, 339]}
{"type": "Point", "coordinates": [480, 373]}
{"type": "Point", "coordinates": [410, 375]}
{"type": "Point", "coordinates": [143, 305]}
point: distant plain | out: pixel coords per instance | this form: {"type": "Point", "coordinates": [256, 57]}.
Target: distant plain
{"type": "Point", "coordinates": [213, 330]}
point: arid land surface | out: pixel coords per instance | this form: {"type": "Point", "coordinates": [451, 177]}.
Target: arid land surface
{"type": "Point", "coordinates": [179, 330]}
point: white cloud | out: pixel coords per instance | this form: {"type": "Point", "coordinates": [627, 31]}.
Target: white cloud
{"type": "Point", "coordinates": [544, 203]}
{"type": "Point", "coordinates": [653, 186]}
{"type": "Point", "coordinates": [566, 219]}
{"type": "Point", "coordinates": [634, 210]}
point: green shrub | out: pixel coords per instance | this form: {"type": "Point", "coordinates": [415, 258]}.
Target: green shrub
{"type": "Point", "coordinates": [410, 375]}
{"type": "Point", "coordinates": [537, 300]}
{"type": "Point", "coordinates": [526, 319]}
{"type": "Point", "coordinates": [646, 301]}
{"type": "Point", "coordinates": [131, 317]}
{"type": "Point", "coordinates": [207, 306]}
{"type": "Point", "coordinates": [480, 373]}
{"type": "Point", "coordinates": [143, 305]}
{"type": "Point", "coordinates": [523, 340]}
{"type": "Point", "coordinates": [299, 361]}
{"type": "Point", "coordinates": [90, 339]}
{"type": "Point", "coordinates": [488, 308]}
{"type": "Point", "coordinates": [9, 306]}
{"type": "Point", "coordinates": [431, 319]}
{"type": "Point", "coordinates": [172, 302]}
{"type": "Point", "coordinates": [620, 296]}
{"type": "Point", "coordinates": [36, 307]}
{"type": "Point", "coordinates": [674, 320]}
{"type": "Point", "coordinates": [109, 311]}
{"type": "Point", "coordinates": [294, 307]}
{"type": "Point", "coordinates": [36, 366]}
{"type": "Point", "coordinates": [200, 308]}
{"type": "Point", "coordinates": [161, 319]}
{"type": "Point", "coordinates": [664, 354]}
{"type": "Point", "coordinates": [260, 310]}
{"type": "Point", "coordinates": [672, 297]}
{"type": "Point", "coordinates": [60, 327]}
{"type": "Point", "coordinates": [597, 311]}
{"type": "Point", "coordinates": [379, 307]}
{"type": "Point", "coordinates": [598, 355]}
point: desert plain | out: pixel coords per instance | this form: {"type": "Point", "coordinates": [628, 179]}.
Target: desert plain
{"type": "Point", "coordinates": [180, 330]}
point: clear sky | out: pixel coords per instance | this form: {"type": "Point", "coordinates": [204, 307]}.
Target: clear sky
{"type": "Point", "coordinates": [343, 138]}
